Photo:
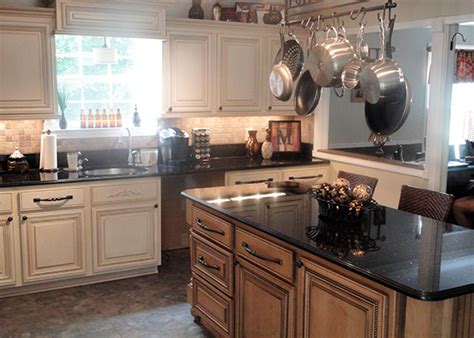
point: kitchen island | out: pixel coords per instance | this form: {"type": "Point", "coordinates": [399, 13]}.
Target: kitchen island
{"type": "Point", "coordinates": [266, 263]}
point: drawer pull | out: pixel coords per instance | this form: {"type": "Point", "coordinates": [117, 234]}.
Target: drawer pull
{"type": "Point", "coordinates": [206, 264]}
{"type": "Point", "coordinates": [9, 219]}
{"type": "Point", "coordinates": [256, 254]}
{"type": "Point", "coordinates": [292, 178]}
{"type": "Point", "coordinates": [52, 199]}
{"type": "Point", "coordinates": [205, 227]}
{"type": "Point", "coordinates": [268, 180]}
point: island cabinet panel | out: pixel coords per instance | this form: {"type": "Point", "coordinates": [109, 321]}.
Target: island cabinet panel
{"type": "Point", "coordinates": [265, 305]}
{"type": "Point", "coordinates": [7, 258]}
{"type": "Point", "coordinates": [332, 305]}
{"type": "Point", "coordinates": [215, 264]}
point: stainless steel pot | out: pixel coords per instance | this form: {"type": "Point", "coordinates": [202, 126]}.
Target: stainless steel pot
{"type": "Point", "coordinates": [281, 78]}
{"type": "Point", "coordinates": [382, 80]}
{"type": "Point", "coordinates": [327, 60]}
{"type": "Point", "coordinates": [350, 76]}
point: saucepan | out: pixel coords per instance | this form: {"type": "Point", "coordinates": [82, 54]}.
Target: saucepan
{"type": "Point", "coordinates": [382, 80]}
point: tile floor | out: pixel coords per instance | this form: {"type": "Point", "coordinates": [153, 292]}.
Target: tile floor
{"type": "Point", "coordinates": [150, 306]}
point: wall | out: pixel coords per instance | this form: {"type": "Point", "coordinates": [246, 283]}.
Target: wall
{"type": "Point", "coordinates": [411, 54]}
{"type": "Point", "coordinates": [389, 185]}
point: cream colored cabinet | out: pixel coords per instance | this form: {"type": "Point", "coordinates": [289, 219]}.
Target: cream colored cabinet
{"type": "Point", "coordinates": [27, 82]}
{"type": "Point", "coordinates": [191, 84]}
{"type": "Point", "coordinates": [53, 244]}
{"type": "Point", "coordinates": [132, 18]}
{"type": "Point", "coordinates": [125, 236]}
{"type": "Point", "coordinates": [239, 74]}
{"type": "Point", "coordinates": [7, 253]}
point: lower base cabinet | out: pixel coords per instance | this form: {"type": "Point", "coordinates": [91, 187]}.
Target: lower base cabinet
{"type": "Point", "coordinates": [335, 306]}
{"type": "Point", "coordinates": [7, 259]}
{"type": "Point", "coordinates": [53, 245]}
{"type": "Point", "coordinates": [124, 236]}
{"type": "Point", "coordinates": [265, 305]}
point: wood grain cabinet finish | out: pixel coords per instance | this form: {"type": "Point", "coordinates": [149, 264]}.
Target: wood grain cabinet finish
{"type": "Point", "coordinates": [27, 83]}
{"type": "Point", "coordinates": [215, 264]}
{"type": "Point", "coordinates": [240, 62]}
{"type": "Point", "coordinates": [134, 18]}
{"type": "Point", "coordinates": [191, 72]}
{"type": "Point", "coordinates": [7, 253]}
{"type": "Point", "coordinates": [124, 236]}
{"type": "Point", "coordinates": [265, 305]}
{"type": "Point", "coordinates": [212, 227]}
{"type": "Point", "coordinates": [214, 309]}
{"type": "Point", "coordinates": [53, 245]}
{"type": "Point", "coordinates": [331, 305]}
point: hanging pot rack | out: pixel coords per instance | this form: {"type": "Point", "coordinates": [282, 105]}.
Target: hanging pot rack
{"type": "Point", "coordinates": [353, 14]}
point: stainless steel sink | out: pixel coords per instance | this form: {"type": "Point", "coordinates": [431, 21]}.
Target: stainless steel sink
{"type": "Point", "coordinates": [114, 172]}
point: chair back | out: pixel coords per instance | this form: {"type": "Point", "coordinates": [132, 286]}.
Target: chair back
{"type": "Point", "coordinates": [355, 179]}
{"type": "Point", "coordinates": [427, 203]}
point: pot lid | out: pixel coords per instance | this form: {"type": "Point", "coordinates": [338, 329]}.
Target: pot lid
{"type": "Point", "coordinates": [16, 154]}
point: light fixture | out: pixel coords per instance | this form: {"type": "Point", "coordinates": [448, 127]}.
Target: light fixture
{"type": "Point", "coordinates": [105, 55]}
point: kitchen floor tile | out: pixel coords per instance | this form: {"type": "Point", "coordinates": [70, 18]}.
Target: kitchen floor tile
{"type": "Point", "coordinates": [149, 306]}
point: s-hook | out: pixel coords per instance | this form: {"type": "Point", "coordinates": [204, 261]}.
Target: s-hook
{"type": "Point", "coordinates": [454, 37]}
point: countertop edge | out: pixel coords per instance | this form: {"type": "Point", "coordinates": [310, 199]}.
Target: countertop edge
{"type": "Point", "coordinates": [407, 291]}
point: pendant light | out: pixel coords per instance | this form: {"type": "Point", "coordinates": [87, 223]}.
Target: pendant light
{"type": "Point", "coordinates": [105, 55]}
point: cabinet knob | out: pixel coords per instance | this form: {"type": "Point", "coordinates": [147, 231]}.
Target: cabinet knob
{"type": "Point", "coordinates": [170, 109]}
{"type": "Point", "coordinates": [268, 206]}
{"type": "Point", "coordinates": [221, 108]}
{"type": "Point", "coordinates": [156, 206]}
{"type": "Point", "coordinates": [24, 218]}
{"type": "Point", "coordinates": [270, 107]}
{"type": "Point", "coordinates": [10, 219]}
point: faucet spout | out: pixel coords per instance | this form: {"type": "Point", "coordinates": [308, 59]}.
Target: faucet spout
{"type": "Point", "coordinates": [130, 156]}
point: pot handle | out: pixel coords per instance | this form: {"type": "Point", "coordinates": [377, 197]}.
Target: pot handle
{"type": "Point", "coordinates": [339, 94]}
{"type": "Point", "coordinates": [382, 36]}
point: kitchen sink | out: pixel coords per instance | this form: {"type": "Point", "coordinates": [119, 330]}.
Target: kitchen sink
{"type": "Point", "coordinates": [114, 172]}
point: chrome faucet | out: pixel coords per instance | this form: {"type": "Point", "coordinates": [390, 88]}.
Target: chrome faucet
{"type": "Point", "coordinates": [130, 156]}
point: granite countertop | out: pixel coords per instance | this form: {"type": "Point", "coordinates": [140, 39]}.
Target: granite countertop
{"type": "Point", "coordinates": [35, 177]}
{"type": "Point", "coordinates": [419, 257]}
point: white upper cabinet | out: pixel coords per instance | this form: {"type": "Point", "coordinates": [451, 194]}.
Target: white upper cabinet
{"type": "Point", "coordinates": [240, 64]}
{"type": "Point", "coordinates": [27, 83]}
{"type": "Point", "coordinates": [190, 72]}
{"type": "Point", "coordinates": [134, 18]}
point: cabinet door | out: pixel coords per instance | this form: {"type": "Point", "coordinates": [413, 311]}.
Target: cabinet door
{"type": "Point", "coordinates": [265, 305]}
{"type": "Point", "coordinates": [53, 245]}
{"type": "Point", "coordinates": [190, 72]}
{"type": "Point", "coordinates": [285, 216]}
{"type": "Point", "coordinates": [7, 259]}
{"type": "Point", "coordinates": [240, 73]}
{"type": "Point", "coordinates": [26, 66]}
{"type": "Point", "coordinates": [331, 305]}
{"type": "Point", "coordinates": [125, 236]}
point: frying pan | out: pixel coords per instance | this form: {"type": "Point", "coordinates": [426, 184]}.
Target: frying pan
{"type": "Point", "coordinates": [307, 92]}
{"type": "Point", "coordinates": [281, 77]}
{"type": "Point", "coordinates": [385, 118]}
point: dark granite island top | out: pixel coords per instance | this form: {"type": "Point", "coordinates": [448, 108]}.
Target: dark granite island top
{"type": "Point", "coordinates": [416, 256]}
{"type": "Point", "coordinates": [34, 177]}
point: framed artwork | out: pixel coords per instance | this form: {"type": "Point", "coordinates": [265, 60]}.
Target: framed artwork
{"type": "Point", "coordinates": [285, 136]}
{"type": "Point", "coordinates": [357, 95]}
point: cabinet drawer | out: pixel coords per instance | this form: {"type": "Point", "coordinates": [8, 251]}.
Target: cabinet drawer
{"type": "Point", "coordinates": [124, 192]}
{"type": "Point", "coordinates": [214, 309]}
{"type": "Point", "coordinates": [252, 177]}
{"type": "Point", "coordinates": [213, 263]}
{"type": "Point", "coordinates": [307, 175]}
{"type": "Point", "coordinates": [5, 202]}
{"type": "Point", "coordinates": [51, 199]}
{"type": "Point", "coordinates": [213, 227]}
{"type": "Point", "coordinates": [265, 254]}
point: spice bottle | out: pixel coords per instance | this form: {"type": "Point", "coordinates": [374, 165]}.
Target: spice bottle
{"type": "Point", "coordinates": [119, 118]}
{"type": "Point", "coordinates": [90, 119]}
{"type": "Point", "coordinates": [105, 119]}
{"type": "Point", "coordinates": [98, 119]}
{"type": "Point", "coordinates": [136, 118]}
{"type": "Point", "coordinates": [83, 119]}
{"type": "Point", "coordinates": [112, 122]}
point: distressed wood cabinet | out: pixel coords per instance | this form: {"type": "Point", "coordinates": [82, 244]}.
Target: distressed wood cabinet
{"type": "Point", "coordinates": [27, 76]}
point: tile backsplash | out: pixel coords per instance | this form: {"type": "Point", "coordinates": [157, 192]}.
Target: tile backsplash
{"type": "Point", "coordinates": [224, 130]}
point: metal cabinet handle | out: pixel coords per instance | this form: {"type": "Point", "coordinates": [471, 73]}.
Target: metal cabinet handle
{"type": "Point", "coordinates": [221, 108]}
{"type": "Point", "coordinates": [268, 180]}
{"type": "Point", "coordinates": [24, 218]}
{"type": "Point", "coordinates": [52, 199]}
{"type": "Point", "coordinates": [206, 264]}
{"type": "Point", "coordinates": [292, 178]}
{"type": "Point", "coordinates": [270, 107]}
{"type": "Point", "coordinates": [170, 109]}
{"type": "Point", "coordinates": [207, 228]}
{"type": "Point", "coordinates": [155, 206]}
{"type": "Point", "coordinates": [9, 219]}
{"type": "Point", "coordinates": [256, 254]}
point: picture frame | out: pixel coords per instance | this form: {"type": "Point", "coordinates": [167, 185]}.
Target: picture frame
{"type": "Point", "coordinates": [285, 136]}
{"type": "Point", "coordinates": [357, 95]}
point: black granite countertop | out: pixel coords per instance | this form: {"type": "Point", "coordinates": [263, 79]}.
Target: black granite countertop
{"type": "Point", "coordinates": [34, 177]}
{"type": "Point", "coordinates": [419, 257]}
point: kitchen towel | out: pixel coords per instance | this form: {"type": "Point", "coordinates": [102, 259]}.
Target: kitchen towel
{"type": "Point", "coordinates": [48, 155]}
